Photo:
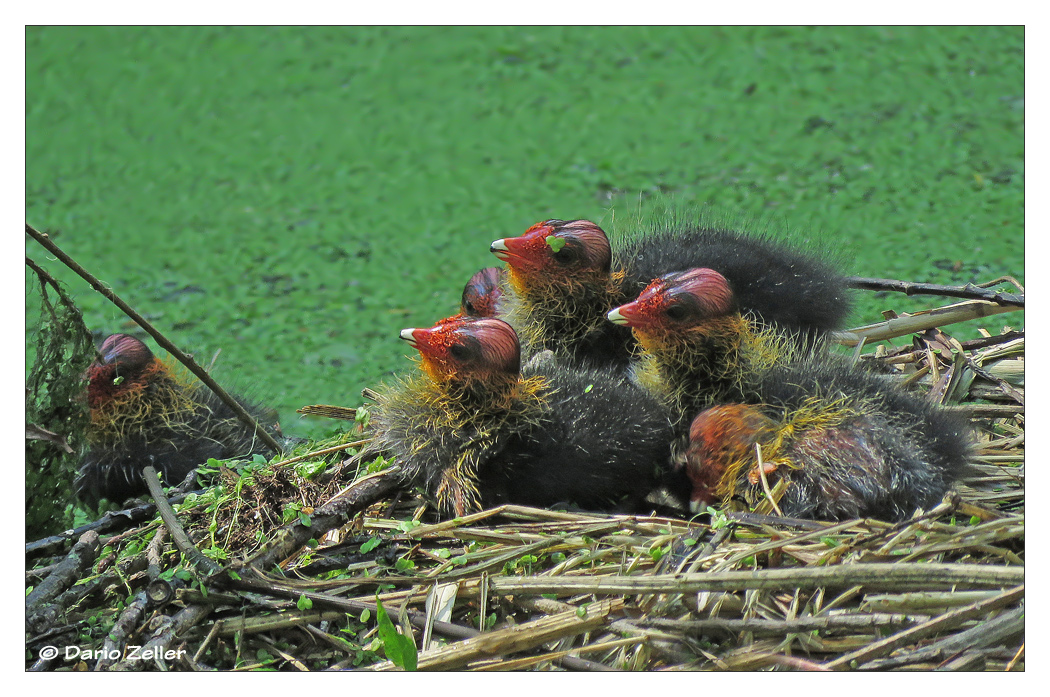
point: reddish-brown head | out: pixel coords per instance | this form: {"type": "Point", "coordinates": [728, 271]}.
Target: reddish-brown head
{"type": "Point", "coordinates": [722, 439]}
{"type": "Point", "coordinates": [467, 348]}
{"type": "Point", "coordinates": [482, 293]}
{"type": "Point", "coordinates": [677, 301]}
{"type": "Point", "coordinates": [122, 365]}
{"type": "Point", "coordinates": [555, 252]}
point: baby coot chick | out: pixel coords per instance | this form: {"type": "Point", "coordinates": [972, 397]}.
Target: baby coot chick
{"type": "Point", "coordinates": [777, 283]}
{"type": "Point", "coordinates": [475, 430]}
{"type": "Point", "coordinates": [560, 285]}
{"type": "Point", "coordinates": [482, 293]}
{"type": "Point", "coordinates": [564, 277]}
{"type": "Point", "coordinates": [850, 442]}
{"type": "Point", "coordinates": [144, 413]}
{"type": "Point", "coordinates": [697, 349]}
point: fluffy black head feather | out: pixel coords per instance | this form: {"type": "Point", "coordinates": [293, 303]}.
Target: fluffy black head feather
{"type": "Point", "coordinates": [780, 284]}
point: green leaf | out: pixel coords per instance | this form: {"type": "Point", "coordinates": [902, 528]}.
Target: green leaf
{"type": "Point", "coordinates": [304, 603]}
{"type": "Point", "coordinates": [408, 525]}
{"type": "Point", "coordinates": [371, 544]}
{"type": "Point", "coordinates": [304, 520]}
{"type": "Point", "coordinates": [555, 243]}
{"type": "Point", "coordinates": [401, 650]}
{"type": "Point", "coordinates": [588, 388]}
{"type": "Point", "coordinates": [718, 519]}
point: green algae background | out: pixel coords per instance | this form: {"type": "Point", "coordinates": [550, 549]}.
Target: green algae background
{"type": "Point", "coordinates": [296, 196]}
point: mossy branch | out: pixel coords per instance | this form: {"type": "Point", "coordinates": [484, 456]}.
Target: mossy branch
{"type": "Point", "coordinates": [178, 535]}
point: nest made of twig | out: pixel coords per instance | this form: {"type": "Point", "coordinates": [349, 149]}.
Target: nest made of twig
{"type": "Point", "coordinates": [516, 588]}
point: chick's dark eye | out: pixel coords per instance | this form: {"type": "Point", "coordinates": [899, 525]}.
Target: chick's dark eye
{"type": "Point", "coordinates": [676, 313]}
{"type": "Point", "coordinates": [459, 351]}
{"type": "Point", "coordinates": [568, 254]}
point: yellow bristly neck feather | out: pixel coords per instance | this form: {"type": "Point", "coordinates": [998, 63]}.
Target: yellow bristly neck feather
{"type": "Point", "coordinates": [164, 397]}
{"type": "Point", "coordinates": [708, 364]}
{"type": "Point", "coordinates": [439, 413]}
{"type": "Point", "coordinates": [814, 413]}
{"type": "Point", "coordinates": [555, 315]}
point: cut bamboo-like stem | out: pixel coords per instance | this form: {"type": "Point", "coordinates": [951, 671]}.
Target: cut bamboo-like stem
{"type": "Point", "coordinates": [872, 576]}
{"type": "Point", "coordinates": [921, 321]}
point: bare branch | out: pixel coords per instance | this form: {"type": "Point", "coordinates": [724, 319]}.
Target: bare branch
{"type": "Point", "coordinates": [968, 292]}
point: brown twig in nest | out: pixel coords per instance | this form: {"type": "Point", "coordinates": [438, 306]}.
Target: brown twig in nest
{"type": "Point", "coordinates": [970, 291]}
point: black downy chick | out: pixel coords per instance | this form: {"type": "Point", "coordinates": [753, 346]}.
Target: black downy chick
{"type": "Point", "coordinates": [475, 430]}
{"type": "Point", "coordinates": [850, 443]}
{"type": "Point", "coordinates": [144, 413]}
{"type": "Point", "coordinates": [564, 276]}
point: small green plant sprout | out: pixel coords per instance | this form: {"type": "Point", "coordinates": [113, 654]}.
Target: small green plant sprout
{"type": "Point", "coordinates": [555, 243]}
{"type": "Point", "coordinates": [718, 518]}
{"type": "Point", "coordinates": [362, 416]}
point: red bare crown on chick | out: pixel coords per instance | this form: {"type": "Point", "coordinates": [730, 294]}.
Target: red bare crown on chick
{"type": "Point", "coordinates": [467, 347]}
{"type": "Point", "coordinates": [677, 301]}
{"type": "Point", "coordinates": [718, 438]}
{"type": "Point", "coordinates": [482, 293]}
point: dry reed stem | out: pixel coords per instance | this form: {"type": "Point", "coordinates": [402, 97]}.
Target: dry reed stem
{"type": "Point", "coordinates": [870, 576]}
{"type": "Point", "coordinates": [920, 321]}
{"type": "Point", "coordinates": [938, 624]}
